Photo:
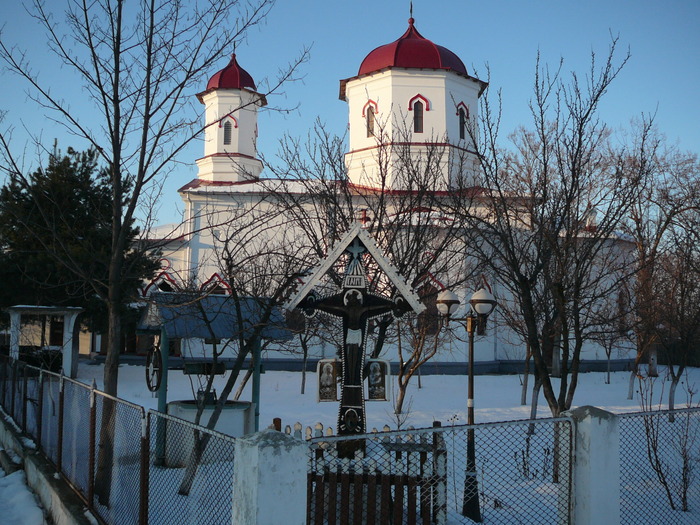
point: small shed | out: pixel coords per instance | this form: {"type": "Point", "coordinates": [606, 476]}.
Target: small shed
{"type": "Point", "coordinates": [69, 351]}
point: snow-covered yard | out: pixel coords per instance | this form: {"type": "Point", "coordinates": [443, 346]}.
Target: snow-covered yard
{"type": "Point", "coordinates": [441, 398]}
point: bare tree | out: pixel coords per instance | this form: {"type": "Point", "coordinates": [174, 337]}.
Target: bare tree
{"type": "Point", "coordinates": [678, 294]}
{"type": "Point", "coordinates": [407, 216]}
{"type": "Point", "coordinates": [137, 64]}
{"type": "Point", "coordinates": [547, 213]}
{"type": "Point", "coordinates": [613, 325]}
{"type": "Point", "coordinates": [666, 191]}
{"type": "Point", "coordinates": [259, 261]}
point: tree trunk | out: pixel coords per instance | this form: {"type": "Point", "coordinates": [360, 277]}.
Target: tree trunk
{"type": "Point", "coordinates": [526, 378]}
{"type": "Point", "coordinates": [630, 388]}
{"type": "Point", "coordinates": [653, 358]}
{"type": "Point", "coordinates": [42, 343]}
{"type": "Point", "coordinates": [201, 441]}
{"type": "Point", "coordinates": [533, 404]}
{"type": "Point", "coordinates": [105, 453]}
{"type": "Point", "coordinates": [105, 457]}
{"type": "Point", "coordinates": [400, 396]}
{"type": "Point", "coordinates": [672, 397]}
{"type": "Point", "coordinates": [244, 382]}
{"type": "Point", "coordinates": [607, 379]}
{"type": "Point", "coordinates": [305, 350]}
{"type": "Point", "coordinates": [556, 359]}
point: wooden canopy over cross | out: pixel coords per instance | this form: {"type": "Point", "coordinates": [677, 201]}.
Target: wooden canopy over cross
{"type": "Point", "coordinates": [355, 305]}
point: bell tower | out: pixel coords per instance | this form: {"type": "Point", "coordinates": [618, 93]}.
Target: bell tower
{"type": "Point", "coordinates": [231, 115]}
{"type": "Point", "coordinates": [411, 108]}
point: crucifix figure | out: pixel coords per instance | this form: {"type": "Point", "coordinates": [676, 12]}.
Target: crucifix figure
{"type": "Point", "coordinates": [355, 306]}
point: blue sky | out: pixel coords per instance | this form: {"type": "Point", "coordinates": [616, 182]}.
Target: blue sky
{"type": "Point", "coordinates": [662, 75]}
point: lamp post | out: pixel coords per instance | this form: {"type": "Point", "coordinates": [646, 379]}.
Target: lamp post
{"type": "Point", "coordinates": [482, 304]}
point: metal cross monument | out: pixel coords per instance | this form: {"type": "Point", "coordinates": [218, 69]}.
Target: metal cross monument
{"type": "Point", "coordinates": [355, 305]}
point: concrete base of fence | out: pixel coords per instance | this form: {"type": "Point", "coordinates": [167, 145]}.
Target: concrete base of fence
{"type": "Point", "coordinates": [270, 480]}
{"type": "Point", "coordinates": [57, 498]}
{"type": "Point", "coordinates": [596, 469]}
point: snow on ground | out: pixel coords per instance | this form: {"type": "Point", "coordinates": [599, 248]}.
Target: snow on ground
{"type": "Point", "coordinates": [442, 397]}
{"type": "Point", "coordinates": [18, 505]}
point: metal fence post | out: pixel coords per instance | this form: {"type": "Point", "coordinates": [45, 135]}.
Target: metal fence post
{"type": "Point", "coordinates": [91, 446]}
{"type": "Point", "coordinates": [144, 471]}
{"type": "Point", "coordinates": [61, 403]}
{"type": "Point", "coordinates": [24, 398]}
{"type": "Point", "coordinates": [14, 388]}
{"type": "Point", "coordinates": [40, 407]}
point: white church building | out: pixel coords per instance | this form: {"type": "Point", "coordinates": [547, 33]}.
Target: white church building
{"type": "Point", "coordinates": [410, 91]}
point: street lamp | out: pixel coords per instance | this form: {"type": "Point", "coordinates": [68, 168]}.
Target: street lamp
{"type": "Point", "coordinates": [482, 304]}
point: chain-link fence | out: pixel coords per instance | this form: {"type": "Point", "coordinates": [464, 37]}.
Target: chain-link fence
{"type": "Point", "coordinates": [135, 467]}
{"type": "Point", "coordinates": [191, 473]}
{"type": "Point", "coordinates": [128, 466]}
{"type": "Point", "coordinates": [118, 443]}
{"type": "Point", "coordinates": [519, 472]}
{"type": "Point", "coordinates": [660, 467]}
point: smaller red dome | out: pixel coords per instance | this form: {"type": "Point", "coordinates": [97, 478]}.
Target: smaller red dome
{"type": "Point", "coordinates": [412, 50]}
{"type": "Point", "coordinates": [233, 76]}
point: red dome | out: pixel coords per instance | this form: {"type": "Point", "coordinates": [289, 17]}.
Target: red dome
{"type": "Point", "coordinates": [232, 76]}
{"type": "Point", "coordinates": [412, 51]}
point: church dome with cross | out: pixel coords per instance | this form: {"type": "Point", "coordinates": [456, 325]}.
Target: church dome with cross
{"type": "Point", "coordinates": [231, 130]}
{"type": "Point", "coordinates": [412, 50]}
{"type": "Point", "coordinates": [408, 99]}
{"type": "Point", "coordinates": [233, 76]}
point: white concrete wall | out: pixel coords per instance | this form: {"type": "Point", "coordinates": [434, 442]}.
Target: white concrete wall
{"type": "Point", "coordinates": [269, 481]}
{"type": "Point", "coordinates": [595, 477]}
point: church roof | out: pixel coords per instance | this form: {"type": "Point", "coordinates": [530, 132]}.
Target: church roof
{"type": "Point", "coordinates": [233, 76]}
{"type": "Point", "coordinates": [412, 50]}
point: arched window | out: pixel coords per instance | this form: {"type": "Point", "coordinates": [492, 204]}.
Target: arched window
{"type": "Point", "coordinates": [418, 117]}
{"type": "Point", "coordinates": [227, 133]}
{"type": "Point", "coordinates": [369, 116]}
{"type": "Point", "coordinates": [462, 123]}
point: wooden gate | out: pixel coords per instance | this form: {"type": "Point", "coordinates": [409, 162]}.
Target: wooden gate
{"type": "Point", "coordinates": [398, 479]}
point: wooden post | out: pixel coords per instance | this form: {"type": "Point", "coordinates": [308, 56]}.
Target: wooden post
{"type": "Point", "coordinates": [256, 381]}
{"type": "Point", "coordinates": [161, 424]}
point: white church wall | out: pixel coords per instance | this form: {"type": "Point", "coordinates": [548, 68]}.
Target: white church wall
{"type": "Point", "coordinates": [375, 160]}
